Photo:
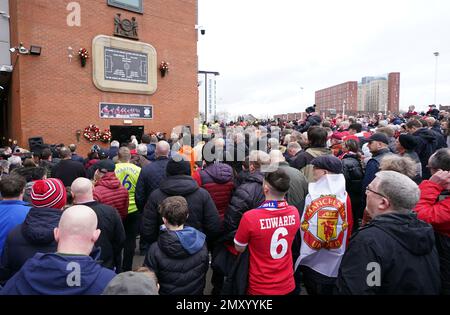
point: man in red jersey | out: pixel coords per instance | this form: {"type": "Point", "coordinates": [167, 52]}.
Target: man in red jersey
{"type": "Point", "coordinates": [269, 231]}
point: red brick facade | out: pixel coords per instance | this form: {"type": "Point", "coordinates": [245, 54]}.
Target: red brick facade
{"type": "Point", "coordinates": [53, 98]}
{"type": "Point", "coordinates": [394, 92]}
{"type": "Point", "coordinates": [334, 98]}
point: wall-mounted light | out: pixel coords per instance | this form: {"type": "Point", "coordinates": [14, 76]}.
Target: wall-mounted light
{"type": "Point", "coordinates": [35, 50]}
{"type": "Point", "coordinates": [22, 50]}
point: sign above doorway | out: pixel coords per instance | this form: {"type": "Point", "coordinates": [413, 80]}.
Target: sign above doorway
{"type": "Point", "coordinates": [125, 111]}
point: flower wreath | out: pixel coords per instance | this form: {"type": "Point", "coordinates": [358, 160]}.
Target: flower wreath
{"type": "Point", "coordinates": [106, 136]}
{"type": "Point", "coordinates": [92, 133]}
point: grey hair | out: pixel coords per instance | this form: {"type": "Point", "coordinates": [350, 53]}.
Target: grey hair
{"type": "Point", "coordinates": [274, 143]}
{"type": "Point", "coordinates": [401, 191]}
{"type": "Point", "coordinates": [294, 145]}
{"type": "Point", "coordinates": [403, 165]}
{"type": "Point", "coordinates": [142, 149]}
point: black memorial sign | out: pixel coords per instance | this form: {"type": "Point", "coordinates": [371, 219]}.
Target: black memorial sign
{"type": "Point", "coordinates": [126, 111]}
{"type": "Point", "coordinates": [126, 66]}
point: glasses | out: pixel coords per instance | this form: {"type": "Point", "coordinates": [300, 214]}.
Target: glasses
{"type": "Point", "coordinates": [376, 193]}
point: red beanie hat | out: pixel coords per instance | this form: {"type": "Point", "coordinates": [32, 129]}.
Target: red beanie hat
{"type": "Point", "coordinates": [48, 193]}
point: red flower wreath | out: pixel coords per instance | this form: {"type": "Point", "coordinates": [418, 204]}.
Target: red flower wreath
{"type": "Point", "coordinates": [92, 133]}
{"type": "Point", "coordinates": [106, 136]}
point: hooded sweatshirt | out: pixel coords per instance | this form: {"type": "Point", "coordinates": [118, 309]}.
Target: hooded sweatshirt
{"type": "Point", "coordinates": [403, 249]}
{"type": "Point", "coordinates": [34, 235]}
{"type": "Point", "coordinates": [180, 260]}
{"type": "Point", "coordinates": [56, 274]}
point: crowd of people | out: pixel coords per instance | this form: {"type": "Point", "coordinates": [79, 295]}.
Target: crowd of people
{"type": "Point", "coordinates": [331, 205]}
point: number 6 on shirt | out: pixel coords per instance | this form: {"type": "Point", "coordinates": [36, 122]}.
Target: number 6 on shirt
{"type": "Point", "coordinates": [277, 241]}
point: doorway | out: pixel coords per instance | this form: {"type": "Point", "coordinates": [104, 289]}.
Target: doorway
{"type": "Point", "coordinates": [124, 133]}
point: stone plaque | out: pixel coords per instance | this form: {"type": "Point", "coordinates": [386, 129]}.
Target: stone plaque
{"type": "Point", "coordinates": [124, 66]}
{"type": "Point", "coordinates": [128, 66]}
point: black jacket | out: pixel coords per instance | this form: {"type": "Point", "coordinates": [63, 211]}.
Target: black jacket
{"type": "Point", "coordinates": [249, 195]}
{"type": "Point", "coordinates": [34, 235]}
{"type": "Point", "coordinates": [427, 144]}
{"type": "Point", "coordinates": [402, 248]}
{"type": "Point", "coordinates": [203, 214]}
{"type": "Point", "coordinates": [68, 171]}
{"type": "Point", "coordinates": [440, 138]}
{"type": "Point", "coordinates": [443, 247]}
{"type": "Point", "coordinates": [149, 179]}
{"type": "Point", "coordinates": [112, 237]}
{"type": "Point", "coordinates": [354, 174]}
{"type": "Point", "coordinates": [311, 121]}
{"type": "Point", "coordinates": [180, 266]}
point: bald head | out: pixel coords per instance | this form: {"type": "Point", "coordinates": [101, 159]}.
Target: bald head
{"type": "Point", "coordinates": [82, 190]}
{"type": "Point", "coordinates": [162, 149]}
{"type": "Point", "coordinates": [77, 231]}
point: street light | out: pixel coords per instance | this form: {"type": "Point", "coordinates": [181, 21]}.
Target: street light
{"type": "Point", "coordinates": [436, 54]}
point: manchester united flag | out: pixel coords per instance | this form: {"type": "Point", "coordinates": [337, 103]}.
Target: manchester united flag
{"type": "Point", "coordinates": [325, 225]}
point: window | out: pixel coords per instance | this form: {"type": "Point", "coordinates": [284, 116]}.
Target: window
{"type": "Point", "coordinates": [131, 5]}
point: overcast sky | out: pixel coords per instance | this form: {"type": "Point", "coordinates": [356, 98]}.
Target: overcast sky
{"type": "Point", "coordinates": [267, 50]}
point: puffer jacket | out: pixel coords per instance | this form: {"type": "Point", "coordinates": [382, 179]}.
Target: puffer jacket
{"type": "Point", "coordinates": [33, 236]}
{"type": "Point", "coordinates": [203, 214]}
{"type": "Point", "coordinates": [435, 210]}
{"type": "Point", "coordinates": [109, 191]}
{"type": "Point", "coordinates": [249, 195]}
{"type": "Point", "coordinates": [218, 180]}
{"type": "Point", "coordinates": [180, 261]}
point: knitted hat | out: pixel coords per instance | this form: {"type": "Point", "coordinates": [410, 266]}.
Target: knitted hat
{"type": "Point", "coordinates": [131, 283]}
{"type": "Point", "coordinates": [48, 193]}
{"type": "Point", "coordinates": [408, 142]}
{"type": "Point", "coordinates": [178, 168]}
{"type": "Point", "coordinates": [329, 163]}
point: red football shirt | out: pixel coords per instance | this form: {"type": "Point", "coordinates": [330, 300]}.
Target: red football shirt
{"type": "Point", "coordinates": [269, 232]}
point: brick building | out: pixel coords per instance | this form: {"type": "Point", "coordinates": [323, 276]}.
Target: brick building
{"type": "Point", "coordinates": [372, 94]}
{"type": "Point", "coordinates": [52, 96]}
{"type": "Point", "coordinates": [332, 99]}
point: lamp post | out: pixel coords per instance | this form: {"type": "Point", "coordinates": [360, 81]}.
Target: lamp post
{"type": "Point", "coordinates": [206, 89]}
{"type": "Point", "coordinates": [436, 54]}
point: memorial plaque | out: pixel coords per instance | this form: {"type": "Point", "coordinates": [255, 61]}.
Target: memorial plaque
{"type": "Point", "coordinates": [124, 66]}
{"type": "Point", "coordinates": [125, 111]}
{"type": "Point", "coordinates": [127, 66]}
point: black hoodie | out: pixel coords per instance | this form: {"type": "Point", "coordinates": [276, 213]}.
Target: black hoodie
{"type": "Point", "coordinates": [203, 214]}
{"type": "Point", "coordinates": [404, 249]}
{"type": "Point", "coordinates": [34, 235]}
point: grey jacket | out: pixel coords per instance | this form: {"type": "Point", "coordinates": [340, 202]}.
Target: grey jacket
{"type": "Point", "coordinates": [299, 186]}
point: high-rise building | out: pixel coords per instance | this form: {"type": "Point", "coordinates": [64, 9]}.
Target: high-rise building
{"type": "Point", "coordinates": [372, 94]}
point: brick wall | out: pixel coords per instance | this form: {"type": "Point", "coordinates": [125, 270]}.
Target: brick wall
{"type": "Point", "coordinates": [53, 98]}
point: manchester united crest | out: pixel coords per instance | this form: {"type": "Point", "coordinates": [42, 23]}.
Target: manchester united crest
{"type": "Point", "coordinates": [324, 223]}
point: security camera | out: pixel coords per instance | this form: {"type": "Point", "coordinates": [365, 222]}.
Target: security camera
{"type": "Point", "coordinates": [203, 32]}
{"type": "Point", "coordinates": [23, 50]}
{"type": "Point", "coordinates": [4, 14]}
